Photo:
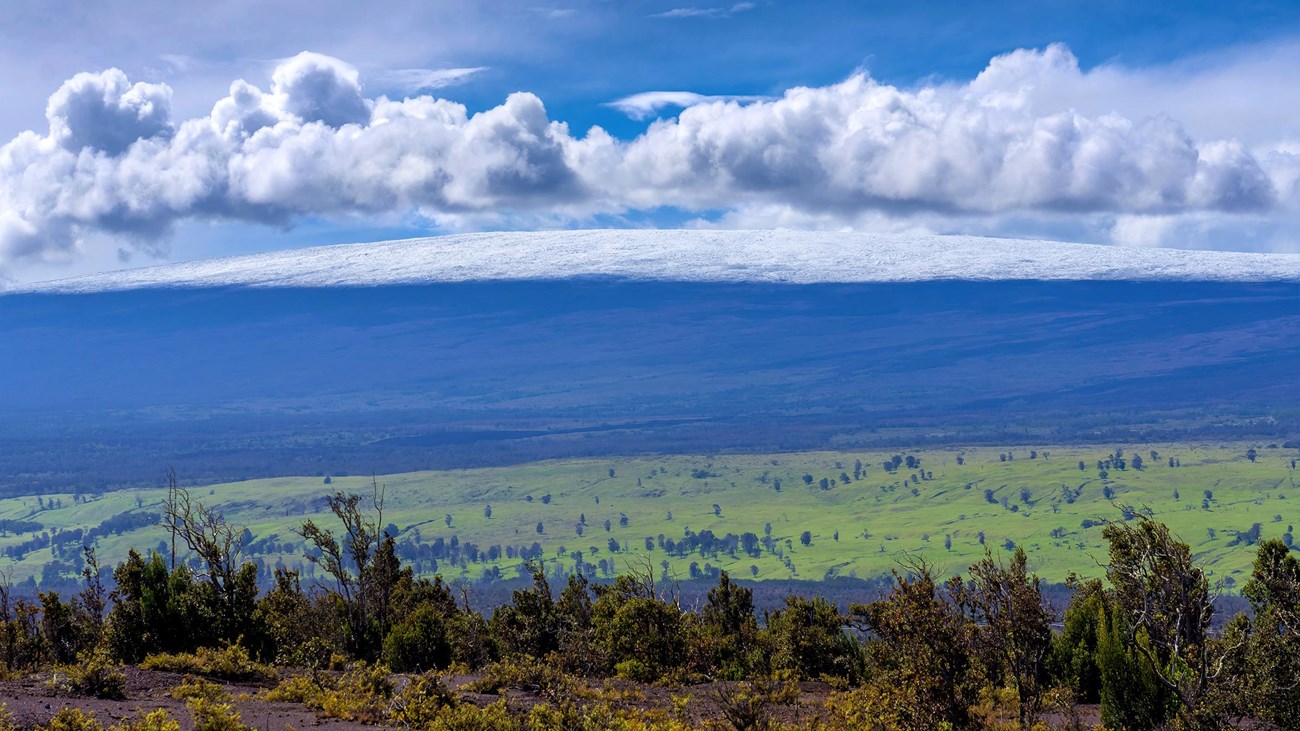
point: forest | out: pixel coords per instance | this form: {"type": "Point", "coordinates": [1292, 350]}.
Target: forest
{"type": "Point", "coordinates": [373, 643]}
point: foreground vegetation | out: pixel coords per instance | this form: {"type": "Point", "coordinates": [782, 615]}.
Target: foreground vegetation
{"type": "Point", "coordinates": [804, 516]}
{"type": "Point", "coordinates": [976, 651]}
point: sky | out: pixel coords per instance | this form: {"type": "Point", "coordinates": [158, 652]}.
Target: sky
{"type": "Point", "coordinates": [137, 132]}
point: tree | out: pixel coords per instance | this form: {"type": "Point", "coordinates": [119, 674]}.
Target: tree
{"type": "Point", "coordinates": [807, 637]}
{"type": "Point", "coordinates": [1012, 628]}
{"type": "Point", "coordinates": [229, 583]}
{"type": "Point", "coordinates": [419, 643]}
{"type": "Point", "coordinates": [920, 656]}
{"type": "Point", "coordinates": [730, 630]}
{"type": "Point", "coordinates": [363, 565]}
{"type": "Point", "coordinates": [1251, 454]}
{"type": "Point", "coordinates": [1273, 653]}
{"type": "Point", "coordinates": [805, 538]}
{"type": "Point", "coordinates": [1166, 607]}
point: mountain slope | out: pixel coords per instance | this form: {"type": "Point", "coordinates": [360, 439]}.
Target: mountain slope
{"type": "Point", "coordinates": [793, 257]}
{"type": "Point", "coordinates": [259, 366]}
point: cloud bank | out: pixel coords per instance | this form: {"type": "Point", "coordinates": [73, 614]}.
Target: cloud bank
{"type": "Point", "coordinates": [858, 153]}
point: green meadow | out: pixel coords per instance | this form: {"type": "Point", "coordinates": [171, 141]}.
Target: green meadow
{"type": "Point", "coordinates": [860, 527]}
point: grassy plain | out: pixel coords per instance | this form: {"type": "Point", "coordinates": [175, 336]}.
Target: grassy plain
{"type": "Point", "coordinates": [880, 517]}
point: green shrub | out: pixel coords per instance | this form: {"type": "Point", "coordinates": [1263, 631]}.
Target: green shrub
{"type": "Point", "coordinates": [211, 715]}
{"type": "Point", "coordinates": [192, 688]}
{"type": "Point", "coordinates": [231, 662]}
{"type": "Point", "coordinates": [73, 719]}
{"type": "Point", "coordinates": [418, 644]}
{"type": "Point", "coordinates": [423, 700]}
{"type": "Point", "coordinates": [95, 676]}
{"type": "Point", "coordinates": [541, 678]}
{"type": "Point", "coordinates": [362, 694]}
{"type": "Point", "coordinates": [158, 720]}
{"type": "Point", "coordinates": [307, 689]}
{"type": "Point", "coordinates": [6, 719]}
{"type": "Point", "coordinates": [468, 717]}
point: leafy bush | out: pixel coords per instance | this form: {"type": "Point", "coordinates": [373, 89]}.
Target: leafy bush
{"type": "Point", "coordinates": [541, 678]}
{"type": "Point", "coordinates": [468, 717]}
{"type": "Point", "coordinates": [751, 705]}
{"type": "Point", "coordinates": [95, 676]}
{"type": "Point", "coordinates": [6, 719]}
{"type": "Point", "coordinates": [423, 700]}
{"type": "Point", "coordinates": [231, 662]}
{"type": "Point", "coordinates": [73, 719]}
{"type": "Point", "coordinates": [158, 720]}
{"type": "Point", "coordinates": [192, 688]}
{"type": "Point", "coordinates": [362, 694]}
{"type": "Point", "coordinates": [306, 689]}
{"type": "Point", "coordinates": [418, 644]}
{"type": "Point", "coordinates": [211, 715]}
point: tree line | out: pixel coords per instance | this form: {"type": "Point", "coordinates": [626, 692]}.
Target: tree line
{"type": "Point", "coordinates": [932, 653]}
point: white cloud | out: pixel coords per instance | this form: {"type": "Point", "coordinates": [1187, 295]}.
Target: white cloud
{"type": "Point", "coordinates": [721, 11]}
{"type": "Point", "coordinates": [413, 80]}
{"type": "Point", "coordinates": [1003, 153]}
{"type": "Point", "coordinates": [649, 103]}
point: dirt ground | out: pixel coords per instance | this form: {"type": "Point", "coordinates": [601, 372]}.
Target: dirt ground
{"type": "Point", "coordinates": [33, 703]}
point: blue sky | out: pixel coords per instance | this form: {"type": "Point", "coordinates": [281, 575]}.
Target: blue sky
{"type": "Point", "coordinates": [1174, 118]}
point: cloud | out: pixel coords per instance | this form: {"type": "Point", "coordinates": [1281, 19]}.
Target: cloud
{"type": "Point", "coordinates": [648, 103]}
{"type": "Point", "coordinates": [412, 80]}
{"type": "Point", "coordinates": [106, 112]}
{"type": "Point", "coordinates": [1000, 153]}
{"type": "Point", "coordinates": [711, 12]}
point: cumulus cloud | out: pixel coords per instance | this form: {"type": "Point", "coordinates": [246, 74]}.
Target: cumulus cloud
{"type": "Point", "coordinates": [858, 153]}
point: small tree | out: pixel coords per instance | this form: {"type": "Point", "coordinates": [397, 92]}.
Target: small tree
{"type": "Point", "coordinates": [1166, 603]}
{"type": "Point", "coordinates": [1013, 630]}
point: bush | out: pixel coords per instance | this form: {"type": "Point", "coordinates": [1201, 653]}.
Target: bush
{"type": "Point", "coordinates": [305, 689]}
{"type": "Point", "coordinates": [192, 688]}
{"type": "Point", "coordinates": [73, 719]}
{"type": "Point", "coordinates": [95, 676]}
{"type": "Point", "coordinates": [159, 720]}
{"type": "Point", "coordinates": [541, 678]}
{"type": "Point", "coordinates": [362, 694]}
{"type": "Point", "coordinates": [423, 700]}
{"type": "Point", "coordinates": [231, 662]}
{"type": "Point", "coordinates": [751, 705]}
{"type": "Point", "coordinates": [6, 719]}
{"type": "Point", "coordinates": [418, 644]}
{"type": "Point", "coordinates": [468, 717]}
{"type": "Point", "coordinates": [210, 715]}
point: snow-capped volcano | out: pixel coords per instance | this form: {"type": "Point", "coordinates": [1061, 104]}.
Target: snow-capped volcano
{"type": "Point", "coordinates": [796, 257]}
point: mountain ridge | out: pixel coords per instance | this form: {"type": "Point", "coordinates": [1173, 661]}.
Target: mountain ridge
{"type": "Point", "coordinates": [773, 257]}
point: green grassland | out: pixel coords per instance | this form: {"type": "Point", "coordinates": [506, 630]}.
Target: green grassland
{"type": "Point", "coordinates": [880, 517]}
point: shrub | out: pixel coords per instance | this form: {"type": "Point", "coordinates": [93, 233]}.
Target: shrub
{"type": "Point", "coordinates": [751, 705]}
{"type": "Point", "coordinates": [192, 688]}
{"type": "Point", "coordinates": [73, 719]}
{"type": "Point", "coordinates": [158, 720]}
{"type": "Point", "coordinates": [6, 719]}
{"type": "Point", "coordinates": [231, 662]}
{"type": "Point", "coordinates": [418, 644]}
{"type": "Point", "coordinates": [362, 694]}
{"type": "Point", "coordinates": [305, 689]}
{"type": "Point", "coordinates": [468, 717]}
{"type": "Point", "coordinates": [423, 700]}
{"type": "Point", "coordinates": [210, 715]}
{"type": "Point", "coordinates": [95, 676]}
{"type": "Point", "coordinates": [533, 676]}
